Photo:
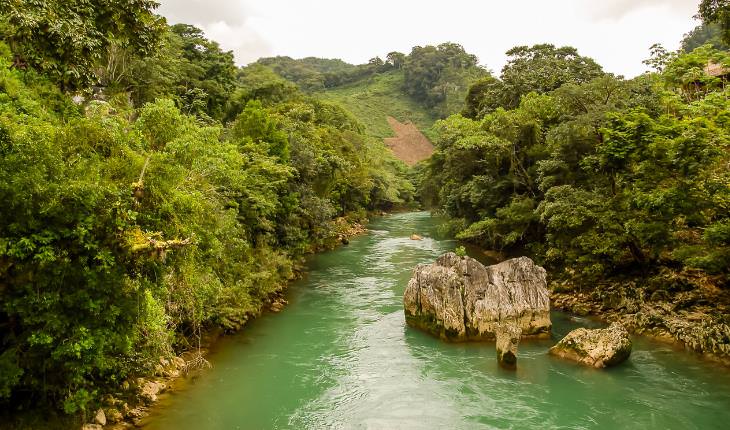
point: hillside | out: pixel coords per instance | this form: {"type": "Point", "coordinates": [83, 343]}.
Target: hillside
{"type": "Point", "coordinates": [374, 99]}
{"type": "Point", "coordinates": [413, 90]}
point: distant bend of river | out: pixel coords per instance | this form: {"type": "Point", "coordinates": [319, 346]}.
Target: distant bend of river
{"type": "Point", "coordinates": [341, 357]}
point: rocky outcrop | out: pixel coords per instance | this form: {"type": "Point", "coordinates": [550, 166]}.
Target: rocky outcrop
{"type": "Point", "coordinates": [457, 298]}
{"type": "Point", "coordinates": [596, 348]}
{"type": "Point", "coordinates": [345, 229]}
{"type": "Point", "coordinates": [278, 304]}
{"type": "Point", "coordinates": [695, 318]}
{"type": "Point", "coordinates": [508, 337]}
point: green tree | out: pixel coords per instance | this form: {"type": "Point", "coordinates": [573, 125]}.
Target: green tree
{"type": "Point", "coordinates": [188, 68]}
{"type": "Point", "coordinates": [703, 34]}
{"type": "Point", "coordinates": [255, 124]}
{"type": "Point", "coordinates": [600, 178]}
{"type": "Point", "coordinates": [717, 12]}
{"type": "Point", "coordinates": [396, 59]}
{"type": "Point", "coordinates": [439, 76]}
{"type": "Point", "coordinates": [207, 69]}
{"type": "Point", "coordinates": [483, 94]}
{"type": "Point", "coordinates": [540, 68]}
{"type": "Point", "coordinates": [687, 73]}
{"type": "Point", "coordinates": [67, 38]}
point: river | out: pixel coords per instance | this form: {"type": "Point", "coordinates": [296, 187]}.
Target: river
{"type": "Point", "coordinates": [341, 356]}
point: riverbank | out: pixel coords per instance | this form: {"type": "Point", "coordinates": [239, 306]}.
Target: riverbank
{"type": "Point", "coordinates": [140, 395]}
{"type": "Point", "coordinates": [130, 402]}
{"type": "Point", "coordinates": [697, 319]}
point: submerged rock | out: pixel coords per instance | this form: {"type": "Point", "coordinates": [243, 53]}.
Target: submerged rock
{"type": "Point", "coordinates": [597, 348]}
{"type": "Point", "coordinates": [416, 237]}
{"type": "Point", "coordinates": [508, 337]}
{"type": "Point", "coordinates": [457, 298]}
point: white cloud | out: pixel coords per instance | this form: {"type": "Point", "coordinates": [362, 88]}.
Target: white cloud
{"type": "Point", "coordinates": [617, 33]}
{"type": "Point", "coordinates": [229, 22]}
{"type": "Point", "coordinates": [246, 44]}
{"type": "Point", "coordinates": [205, 12]}
{"type": "Point", "coordinates": [617, 9]}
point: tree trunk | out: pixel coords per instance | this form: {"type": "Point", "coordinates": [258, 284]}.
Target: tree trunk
{"type": "Point", "coordinates": [636, 252]}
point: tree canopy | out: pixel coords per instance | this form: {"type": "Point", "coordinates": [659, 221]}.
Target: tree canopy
{"type": "Point", "coordinates": [540, 68]}
{"type": "Point", "coordinates": [598, 176]}
{"type": "Point", "coordinates": [717, 12]}
{"type": "Point", "coordinates": [65, 38]}
{"type": "Point", "coordinates": [438, 76]}
{"type": "Point", "coordinates": [703, 34]}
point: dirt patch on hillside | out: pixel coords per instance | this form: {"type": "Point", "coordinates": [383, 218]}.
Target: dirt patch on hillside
{"type": "Point", "coordinates": [409, 144]}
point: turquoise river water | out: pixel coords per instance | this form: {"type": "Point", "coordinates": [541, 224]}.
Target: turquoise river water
{"type": "Point", "coordinates": [341, 356]}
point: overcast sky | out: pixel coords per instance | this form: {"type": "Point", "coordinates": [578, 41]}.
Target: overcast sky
{"type": "Point", "coordinates": [617, 33]}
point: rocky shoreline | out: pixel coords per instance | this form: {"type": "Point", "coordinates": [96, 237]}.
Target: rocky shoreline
{"type": "Point", "coordinates": [697, 319]}
{"type": "Point", "coordinates": [136, 398]}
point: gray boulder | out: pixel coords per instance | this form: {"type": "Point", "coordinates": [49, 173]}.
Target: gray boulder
{"type": "Point", "coordinates": [596, 348]}
{"type": "Point", "coordinates": [458, 299]}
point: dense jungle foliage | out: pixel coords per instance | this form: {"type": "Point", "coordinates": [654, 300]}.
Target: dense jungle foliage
{"type": "Point", "coordinates": [595, 175]}
{"type": "Point", "coordinates": [177, 196]}
{"type": "Point", "coordinates": [153, 190]}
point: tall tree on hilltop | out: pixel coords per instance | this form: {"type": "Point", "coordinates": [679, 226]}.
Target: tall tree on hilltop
{"type": "Point", "coordinates": [438, 76]}
{"type": "Point", "coordinates": [702, 34]}
{"type": "Point", "coordinates": [718, 12]}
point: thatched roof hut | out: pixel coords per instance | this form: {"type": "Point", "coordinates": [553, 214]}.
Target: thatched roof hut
{"type": "Point", "coordinates": [717, 70]}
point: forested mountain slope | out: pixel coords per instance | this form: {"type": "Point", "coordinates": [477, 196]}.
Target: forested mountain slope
{"type": "Point", "coordinates": [429, 83]}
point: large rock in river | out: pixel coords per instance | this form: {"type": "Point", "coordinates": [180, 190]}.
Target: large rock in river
{"type": "Point", "coordinates": [457, 298]}
{"type": "Point", "coordinates": [597, 348]}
